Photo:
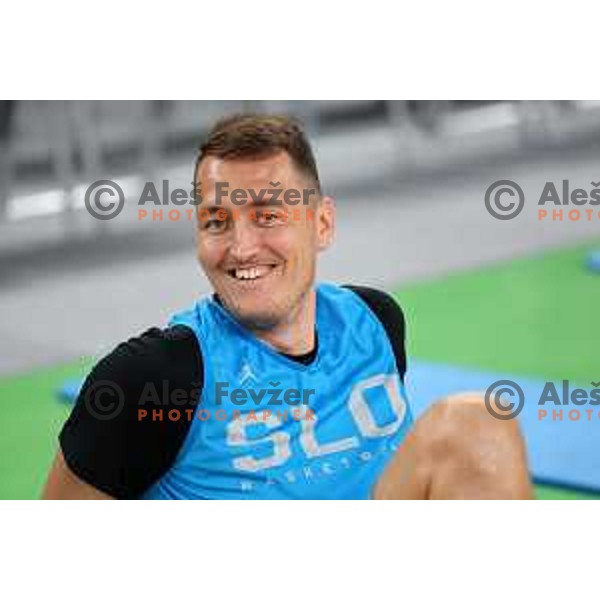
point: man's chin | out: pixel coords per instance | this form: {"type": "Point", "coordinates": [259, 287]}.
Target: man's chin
{"type": "Point", "coordinates": [254, 319]}
{"type": "Point", "coordinates": [257, 321]}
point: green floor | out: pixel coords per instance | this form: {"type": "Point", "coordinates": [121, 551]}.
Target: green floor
{"type": "Point", "coordinates": [31, 418]}
{"type": "Point", "coordinates": [534, 317]}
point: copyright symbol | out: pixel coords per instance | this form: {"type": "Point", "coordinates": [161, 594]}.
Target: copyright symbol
{"type": "Point", "coordinates": [104, 400]}
{"type": "Point", "coordinates": [507, 209]}
{"type": "Point", "coordinates": [499, 407]}
{"type": "Point", "coordinates": [100, 199]}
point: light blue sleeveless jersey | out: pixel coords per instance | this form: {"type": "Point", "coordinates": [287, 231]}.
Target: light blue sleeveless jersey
{"type": "Point", "coordinates": [270, 427]}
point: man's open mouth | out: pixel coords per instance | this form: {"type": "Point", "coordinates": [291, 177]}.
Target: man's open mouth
{"type": "Point", "coordinates": [251, 273]}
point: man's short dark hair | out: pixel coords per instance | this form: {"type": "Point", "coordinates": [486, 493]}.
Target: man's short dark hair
{"type": "Point", "coordinates": [256, 135]}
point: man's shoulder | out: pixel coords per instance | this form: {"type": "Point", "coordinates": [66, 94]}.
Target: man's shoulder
{"type": "Point", "coordinates": [157, 341]}
{"type": "Point", "coordinates": [373, 296]}
{"type": "Point", "coordinates": [383, 304]}
{"type": "Point", "coordinates": [156, 351]}
{"type": "Point", "coordinates": [390, 314]}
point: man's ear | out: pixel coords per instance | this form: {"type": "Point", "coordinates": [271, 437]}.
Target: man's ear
{"type": "Point", "coordinates": [325, 222]}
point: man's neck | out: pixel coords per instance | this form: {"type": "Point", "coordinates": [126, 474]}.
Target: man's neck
{"type": "Point", "coordinates": [296, 336]}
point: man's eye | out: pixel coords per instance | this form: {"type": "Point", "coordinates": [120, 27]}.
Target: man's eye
{"type": "Point", "coordinates": [214, 225]}
{"type": "Point", "coordinates": [270, 218]}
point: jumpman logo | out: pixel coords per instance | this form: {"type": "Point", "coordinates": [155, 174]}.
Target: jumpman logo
{"type": "Point", "coordinates": [247, 375]}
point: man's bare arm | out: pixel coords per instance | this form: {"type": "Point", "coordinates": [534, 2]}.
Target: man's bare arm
{"type": "Point", "coordinates": [63, 484]}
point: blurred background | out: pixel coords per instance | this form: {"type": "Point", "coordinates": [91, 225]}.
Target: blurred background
{"type": "Point", "coordinates": [513, 298]}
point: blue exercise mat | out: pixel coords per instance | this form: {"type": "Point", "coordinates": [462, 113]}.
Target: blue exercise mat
{"type": "Point", "coordinates": [593, 261]}
{"type": "Point", "coordinates": [69, 390]}
{"type": "Point", "coordinates": [564, 453]}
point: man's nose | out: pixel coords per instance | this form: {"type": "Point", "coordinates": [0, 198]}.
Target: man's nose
{"type": "Point", "coordinates": [245, 242]}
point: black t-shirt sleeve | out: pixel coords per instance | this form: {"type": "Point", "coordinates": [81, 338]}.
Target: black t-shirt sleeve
{"type": "Point", "coordinates": [391, 316]}
{"type": "Point", "coordinates": [105, 441]}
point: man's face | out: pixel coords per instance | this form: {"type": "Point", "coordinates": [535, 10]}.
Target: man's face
{"type": "Point", "coordinates": [260, 263]}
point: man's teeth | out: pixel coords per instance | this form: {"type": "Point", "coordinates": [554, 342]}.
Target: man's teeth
{"type": "Point", "coordinates": [251, 273]}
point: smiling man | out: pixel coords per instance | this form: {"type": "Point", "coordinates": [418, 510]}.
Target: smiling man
{"type": "Point", "coordinates": [335, 353]}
